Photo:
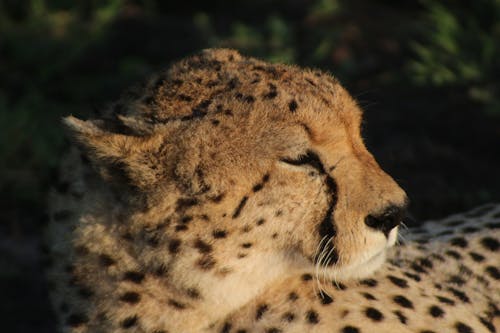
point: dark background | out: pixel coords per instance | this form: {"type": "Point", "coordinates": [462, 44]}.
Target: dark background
{"type": "Point", "coordinates": [426, 73]}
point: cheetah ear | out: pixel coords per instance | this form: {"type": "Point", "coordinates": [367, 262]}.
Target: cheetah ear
{"type": "Point", "coordinates": [118, 157]}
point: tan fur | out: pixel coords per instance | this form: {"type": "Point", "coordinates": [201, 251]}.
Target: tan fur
{"type": "Point", "coordinates": [195, 209]}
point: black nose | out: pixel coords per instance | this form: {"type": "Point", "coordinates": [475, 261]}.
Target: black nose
{"type": "Point", "coordinates": [387, 220]}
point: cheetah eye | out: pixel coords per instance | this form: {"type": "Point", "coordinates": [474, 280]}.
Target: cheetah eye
{"type": "Point", "coordinates": [309, 159]}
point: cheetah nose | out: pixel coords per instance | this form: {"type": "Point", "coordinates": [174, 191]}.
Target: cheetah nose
{"type": "Point", "coordinates": [387, 220]}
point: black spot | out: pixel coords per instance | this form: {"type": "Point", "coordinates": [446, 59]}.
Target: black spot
{"type": "Point", "coordinates": [459, 294]}
{"type": "Point", "coordinates": [212, 83]}
{"type": "Point", "coordinates": [369, 282]}
{"type": "Point", "coordinates": [181, 227]}
{"type": "Point", "coordinates": [257, 187]}
{"type": "Point", "coordinates": [226, 328]}
{"type": "Point", "coordinates": [249, 99]}
{"type": "Point", "coordinates": [130, 297]}
{"type": "Point", "coordinates": [307, 277]}
{"type": "Point", "coordinates": [458, 241]}
{"type": "Point", "coordinates": [175, 304]}
{"type": "Point", "coordinates": [186, 219]}
{"type": "Point", "coordinates": [402, 318]}
{"type": "Point", "coordinates": [403, 301]}
{"type": "Point", "coordinates": [369, 296]}
{"type": "Point", "coordinates": [453, 254]}
{"type": "Point", "coordinates": [184, 203]}
{"type": "Point", "coordinates": [312, 317]}
{"type": "Point", "coordinates": [246, 245]}
{"type": "Point", "coordinates": [456, 280]}
{"type": "Point", "coordinates": [217, 198]}
{"type": "Point", "coordinates": [493, 272]}
{"type": "Point", "coordinates": [436, 311]}
{"type": "Point", "coordinates": [206, 262]}
{"type": "Point", "coordinates": [135, 277]}
{"type": "Point", "coordinates": [238, 209]}
{"type": "Point", "coordinates": [272, 92]}
{"type": "Point", "coordinates": [412, 276]}
{"type": "Point", "coordinates": [325, 298]}
{"type": "Point", "coordinates": [193, 293]}
{"type": "Point", "coordinates": [425, 262]}
{"type": "Point", "coordinates": [202, 246]}
{"type": "Point", "coordinates": [219, 233]}
{"type": "Point", "coordinates": [476, 257]}
{"type": "Point", "coordinates": [350, 329]}
{"type": "Point", "coordinates": [469, 229]}
{"type": "Point", "coordinates": [273, 330]}
{"type": "Point", "coordinates": [173, 245]}
{"type": "Point", "coordinates": [232, 83]}
{"type": "Point", "coordinates": [463, 328]}
{"type": "Point", "coordinates": [488, 324]}
{"type": "Point", "coordinates": [266, 177]}
{"type": "Point", "coordinates": [260, 221]}
{"type": "Point", "coordinates": [311, 82]}
{"type": "Point", "coordinates": [398, 282]}
{"type": "Point", "coordinates": [339, 286]}
{"type": "Point", "coordinates": [261, 309]}
{"type": "Point", "coordinates": [201, 109]}
{"type": "Point", "coordinates": [490, 243]}
{"type": "Point", "coordinates": [445, 300]}
{"type": "Point", "coordinates": [293, 296]}
{"type": "Point", "coordinates": [374, 314]}
{"type": "Point", "coordinates": [185, 98]}
{"type": "Point", "coordinates": [129, 321]}
{"type": "Point", "coordinates": [76, 319]}
{"type": "Point", "coordinates": [215, 122]}
{"type": "Point", "coordinates": [288, 316]}
{"type": "Point", "coordinates": [292, 106]}
{"type": "Point", "coordinates": [418, 268]}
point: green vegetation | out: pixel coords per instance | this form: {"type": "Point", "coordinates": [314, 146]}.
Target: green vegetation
{"type": "Point", "coordinates": [460, 47]}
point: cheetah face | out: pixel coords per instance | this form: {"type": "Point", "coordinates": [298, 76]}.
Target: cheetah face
{"type": "Point", "coordinates": [247, 166]}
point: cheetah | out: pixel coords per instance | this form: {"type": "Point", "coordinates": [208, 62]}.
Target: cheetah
{"type": "Point", "coordinates": [228, 194]}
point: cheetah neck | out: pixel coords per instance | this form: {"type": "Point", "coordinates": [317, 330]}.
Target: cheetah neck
{"type": "Point", "coordinates": [228, 291]}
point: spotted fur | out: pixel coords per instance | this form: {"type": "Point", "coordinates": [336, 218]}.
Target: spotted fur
{"type": "Point", "coordinates": [223, 181]}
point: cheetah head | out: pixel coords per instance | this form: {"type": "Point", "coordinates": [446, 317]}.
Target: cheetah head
{"type": "Point", "coordinates": [229, 165]}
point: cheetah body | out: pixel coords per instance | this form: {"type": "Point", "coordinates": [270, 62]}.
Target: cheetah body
{"type": "Point", "coordinates": [226, 195]}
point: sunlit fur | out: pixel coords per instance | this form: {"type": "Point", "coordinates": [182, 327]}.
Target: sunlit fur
{"type": "Point", "coordinates": [203, 148]}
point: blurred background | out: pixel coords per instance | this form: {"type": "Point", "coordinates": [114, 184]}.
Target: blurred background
{"type": "Point", "coordinates": [425, 72]}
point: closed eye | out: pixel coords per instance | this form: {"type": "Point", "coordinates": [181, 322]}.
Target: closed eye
{"type": "Point", "coordinates": [310, 159]}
